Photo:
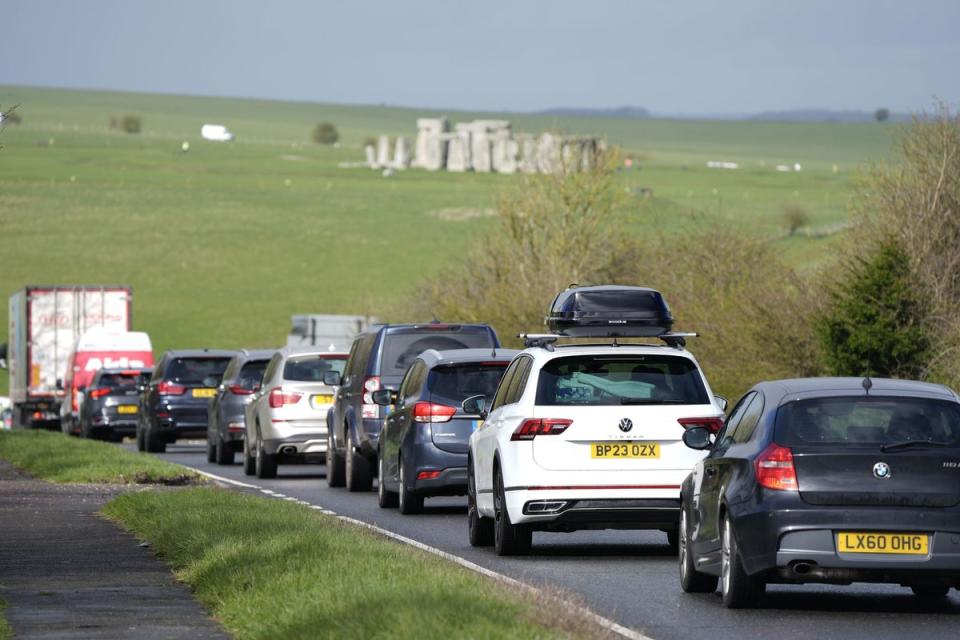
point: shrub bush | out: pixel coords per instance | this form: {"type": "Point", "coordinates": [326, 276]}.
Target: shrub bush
{"type": "Point", "coordinates": [131, 123]}
{"type": "Point", "coordinates": [795, 218]}
{"type": "Point", "coordinates": [325, 133]}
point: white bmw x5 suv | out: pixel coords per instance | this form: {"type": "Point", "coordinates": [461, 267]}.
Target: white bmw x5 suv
{"type": "Point", "coordinates": [585, 437]}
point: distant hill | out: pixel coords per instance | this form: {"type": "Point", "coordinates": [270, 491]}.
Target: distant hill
{"type": "Point", "coordinates": [822, 115]}
{"type": "Point", "coordinates": [619, 112]}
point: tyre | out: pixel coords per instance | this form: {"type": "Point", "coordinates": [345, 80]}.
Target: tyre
{"type": "Point", "coordinates": [223, 453]}
{"type": "Point", "coordinates": [409, 502]}
{"type": "Point", "coordinates": [266, 463]}
{"type": "Point", "coordinates": [152, 442]}
{"type": "Point", "coordinates": [691, 580]}
{"type": "Point", "coordinates": [479, 529]}
{"type": "Point", "coordinates": [739, 590]}
{"type": "Point", "coordinates": [386, 499]}
{"type": "Point", "coordinates": [141, 445]}
{"type": "Point", "coordinates": [249, 462]}
{"type": "Point", "coordinates": [336, 474]}
{"type": "Point", "coordinates": [357, 470]}
{"type": "Point", "coordinates": [930, 592]}
{"type": "Point", "coordinates": [211, 451]}
{"type": "Point", "coordinates": [673, 541]}
{"type": "Point", "coordinates": [508, 539]}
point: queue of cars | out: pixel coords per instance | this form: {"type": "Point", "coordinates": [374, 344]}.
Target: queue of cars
{"type": "Point", "coordinates": [831, 480]}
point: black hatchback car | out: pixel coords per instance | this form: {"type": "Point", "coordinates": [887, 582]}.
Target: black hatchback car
{"type": "Point", "coordinates": [833, 480]}
{"type": "Point", "coordinates": [111, 403]}
{"type": "Point", "coordinates": [424, 441]}
{"type": "Point", "coordinates": [378, 359]}
{"type": "Point", "coordinates": [174, 403]}
{"type": "Point", "coordinates": [241, 379]}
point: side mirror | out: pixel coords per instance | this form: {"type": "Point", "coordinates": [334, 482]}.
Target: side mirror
{"type": "Point", "coordinates": [475, 406]}
{"type": "Point", "coordinates": [721, 402]}
{"type": "Point", "coordinates": [331, 378]}
{"type": "Point", "coordinates": [698, 438]}
{"type": "Point", "coordinates": [384, 397]}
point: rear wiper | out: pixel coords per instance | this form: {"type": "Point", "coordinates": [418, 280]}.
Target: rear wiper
{"type": "Point", "coordinates": [915, 443]}
{"type": "Point", "coordinates": [649, 401]}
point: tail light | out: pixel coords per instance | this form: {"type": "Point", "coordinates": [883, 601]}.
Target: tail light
{"type": "Point", "coordinates": [775, 469]}
{"type": "Point", "coordinates": [369, 409]}
{"type": "Point", "coordinates": [430, 412]}
{"type": "Point", "coordinates": [533, 427]}
{"type": "Point", "coordinates": [170, 389]}
{"type": "Point", "coordinates": [279, 398]}
{"type": "Point", "coordinates": [98, 393]}
{"type": "Point", "coordinates": [428, 475]}
{"type": "Point", "coordinates": [239, 390]}
{"type": "Point", "coordinates": [713, 425]}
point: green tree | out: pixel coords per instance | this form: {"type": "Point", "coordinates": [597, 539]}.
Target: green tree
{"type": "Point", "coordinates": [882, 114]}
{"type": "Point", "coordinates": [876, 319]}
{"type": "Point", "coordinates": [325, 133]}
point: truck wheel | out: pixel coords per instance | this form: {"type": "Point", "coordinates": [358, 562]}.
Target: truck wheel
{"type": "Point", "coordinates": [336, 474]}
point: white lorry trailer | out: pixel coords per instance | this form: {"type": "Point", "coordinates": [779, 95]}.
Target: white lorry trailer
{"type": "Point", "coordinates": [45, 322]}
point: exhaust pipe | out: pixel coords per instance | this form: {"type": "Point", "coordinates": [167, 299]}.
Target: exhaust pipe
{"type": "Point", "coordinates": [288, 450]}
{"type": "Point", "coordinates": [803, 568]}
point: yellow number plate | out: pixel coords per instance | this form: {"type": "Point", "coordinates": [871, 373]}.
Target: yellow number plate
{"type": "Point", "coordinates": [204, 393]}
{"type": "Point", "coordinates": [324, 399]}
{"type": "Point", "coordinates": [892, 543]}
{"type": "Point", "coordinates": [624, 449]}
{"type": "Point", "coordinates": [127, 408]}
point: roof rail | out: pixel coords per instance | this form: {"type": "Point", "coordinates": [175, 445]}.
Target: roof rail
{"type": "Point", "coordinates": [548, 340]}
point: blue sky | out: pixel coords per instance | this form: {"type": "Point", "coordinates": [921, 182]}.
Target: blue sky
{"type": "Point", "coordinates": [679, 58]}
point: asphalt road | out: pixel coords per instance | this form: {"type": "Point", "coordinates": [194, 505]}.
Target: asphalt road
{"type": "Point", "coordinates": [627, 576]}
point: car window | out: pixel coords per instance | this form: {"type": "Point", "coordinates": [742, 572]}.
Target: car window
{"type": "Point", "coordinates": [272, 367]}
{"type": "Point", "coordinates": [195, 370]}
{"type": "Point", "coordinates": [503, 387]}
{"type": "Point", "coordinates": [452, 384]}
{"type": "Point", "coordinates": [867, 421]}
{"type": "Point", "coordinates": [311, 368]}
{"type": "Point", "coordinates": [252, 373]}
{"type": "Point", "coordinates": [119, 380]}
{"type": "Point", "coordinates": [734, 418]}
{"type": "Point", "coordinates": [355, 359]}
{"type": "Point", "coordinates": [618, 380]}
{"type": "Point", "coordinates": [231, 371]}
{"type": "Point", "coordinates": [407, 382]}
{"type": "Point", "coordinates": [519, 382]}
{"type": "Point", "coordinates": [401, 347]}
{"type": "Point", "coordinates": [748, 420]}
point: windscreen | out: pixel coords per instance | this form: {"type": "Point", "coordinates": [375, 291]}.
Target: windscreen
{"type": "Point", "coordinates": [865, 420]}
{"type": "Point", "coordinates": [120, 380]}
{"type": "Point", "coordinates": [454, 384]}
{"type": "Point", "coordinates": [252, 373]}
{"type": "Point", "coordinates": [196, 370]}
{"type": "Point", "coordinates": [402, 347]}
{"type": "Point", "coordinates": [615, 380]}
{"type": "Point", "coordinates": [311, 368]}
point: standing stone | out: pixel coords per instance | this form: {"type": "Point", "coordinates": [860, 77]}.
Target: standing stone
{"type": "Point", "coordinates": [458, 151]}
{"type": "Point", "coordinates": [528, 153]}
{"type": "Point", "coordinates": [505, 152]}
{"type": "Point", "coordinates": [481, 151]}
{"type": "Point", "coordinates": [430, 149]}
{"type": "Point", "coordinates": [371, 154]}
{"type": "Point", "coordinates": [401, 153]}
{"type": "Point", "coordinates": [548, 153]}
{"type": "Point", "coordinates": [383, 151]}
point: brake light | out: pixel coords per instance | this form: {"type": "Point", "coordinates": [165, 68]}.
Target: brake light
{"type": "Point", "coordinates": [428, 475]}
{"type": "Point", "coordinates": [98, 393]}
{"type": "Point", "coordinates": [278, 398]}
{"type": "Point", "coordinates": [370, 385]}
{"type": "Point", "coordinates": [170, 389]}
{"type": "Point", "coordinates": [775, 469]}
{"type": "Point", "coordinates": [430, 412]}
{"type": "Point", "coordinates": [533, 427]}
{"type": "Point", "coordinates": [239, 390]}
{"type": "Point", "coordinates": [713, 425]}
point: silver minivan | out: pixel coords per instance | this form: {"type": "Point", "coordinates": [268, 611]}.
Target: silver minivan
{"type": "Point", "coordinates": [287, 420]}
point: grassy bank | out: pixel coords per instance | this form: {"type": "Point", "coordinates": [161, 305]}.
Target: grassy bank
{"type": "Point", "coordinates": [272, 569]}
{"type": "Point", "coordinates": [60, 458]}
{"type": "Point", "coordinates": [5, 631]}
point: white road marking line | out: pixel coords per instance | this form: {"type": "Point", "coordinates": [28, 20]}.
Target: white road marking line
{"type": "Point", "coordinates": [606, 623]}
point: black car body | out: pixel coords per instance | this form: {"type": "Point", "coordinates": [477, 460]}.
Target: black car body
{"type": "Point", "coordinates": [225, 427]}
{"type": "Point", "coordinates": [832, 480]}
{"type": "Point", "coordinates": [378, 358]}
{"type": "Point", "coordinates": [425, 437]}
{"type": "Point", "coordinates": [111, 403]}
{"type": "Point", "coordinates": [175, 402]}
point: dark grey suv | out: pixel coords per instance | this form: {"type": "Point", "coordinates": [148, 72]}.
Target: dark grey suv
{"type": "Point", "coordinates": [425, 437]}
{"type": "Point", "coordinates": [378, 359]}
{"type": "Point", "coordinates": [241, 379]}
{"type": "Point", "coordinates": [111, 403]}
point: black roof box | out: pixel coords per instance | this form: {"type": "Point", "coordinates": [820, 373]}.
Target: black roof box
{"type": "Point", "coordinates": [609, 311]}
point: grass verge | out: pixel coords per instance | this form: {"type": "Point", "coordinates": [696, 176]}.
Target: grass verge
{"type": "Point", "coordinates": [272, 569]}
{"type": "Point", "coordinates": [61, 458]}
{"type": "Point", "coordinates": [5, 631]}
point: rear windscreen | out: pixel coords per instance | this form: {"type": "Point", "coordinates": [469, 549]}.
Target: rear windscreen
{"type": "Point", "coordinates": [196, 370]}
{"type": "Point", "coordinates": [400, 348]}
{"type": "Point", "coordinates": [867, 420]}
{"type": "Point", "coordinates": [454, 384]}
{"type": "Point", "coordinates": [252, 373]}
{"type": "Point", "coordinates": [311, 368]}
{"type": "Point", "coordinates": [614, 380]}
{"type": "Point", "coordinates": [120, 380]}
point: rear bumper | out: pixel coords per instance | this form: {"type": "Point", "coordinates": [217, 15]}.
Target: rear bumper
{"type": "Point", "coordinates": [452, 481]}
{"type": "Point", "coordinates": [304, 445]}
{"type": "Point", "coordinates": [572, 510]}
{"type": "Point", "coordinates": [777, 540]}
{"type": "Point", "coordinates": [126, 426]}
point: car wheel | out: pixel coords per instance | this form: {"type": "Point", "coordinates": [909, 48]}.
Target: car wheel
{"type": "Point", "coordinates": [357, 470]}
{"type": "Point", "coordinates": [691, 580]}
{"type": "Point", "coordinates": [266, 462]}
{"type": "Point", "coordinates": [930, 592]}
{"type": "Point", "coordinates": [249, 462]}
{"type": "Point", "coordinates": [508, 539]}
{"type": "Point", "coordinates": [336, 474]}
{"type": "Point", "coordinates": [141, 445]}
{"type": "Point", "coordinates": [479, 529]}
{"type": "Point", "coordinates": [673, 541]}
{"type": "Point", "coordinates": [211, 451]}
{"type": "Point", "coordinates": [224, 454]}
{"type": "Point", "coordinates": [152, 442]}
{"type": "Point", "coordinates": [386, 499]}
{"type": "Point", "coordinates": [409, 502]}
{"type": "Point", "coordinates": [739, 590]}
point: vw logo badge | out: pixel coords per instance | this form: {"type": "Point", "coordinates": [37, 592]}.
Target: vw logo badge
{"type": "Point", "coordinates": [626, 424]}
{"type": "Point", "coordinates": [881, 471]}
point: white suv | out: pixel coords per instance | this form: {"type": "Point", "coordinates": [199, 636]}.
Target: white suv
{"type": "Point", "coordinates": [585, 437]}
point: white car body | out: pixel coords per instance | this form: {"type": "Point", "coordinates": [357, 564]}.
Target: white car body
{"type": "Point", "coordinates": [555, 469]}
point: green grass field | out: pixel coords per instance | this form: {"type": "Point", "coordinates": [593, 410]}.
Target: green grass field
{"type": "Point", "coordinates": [223, 243]}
